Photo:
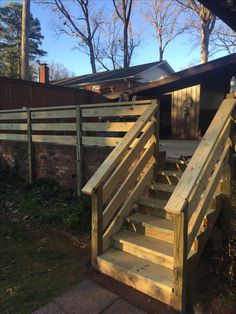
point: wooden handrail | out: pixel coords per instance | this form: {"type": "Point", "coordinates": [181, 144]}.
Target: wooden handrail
{"type": "Point", "coordinates": [191, 176]}
{"type": "Point", "coordinates": [115, 156]}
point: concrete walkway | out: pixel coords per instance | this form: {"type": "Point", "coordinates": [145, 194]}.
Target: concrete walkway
{"type": "Point", "coordinates": [88, 297]}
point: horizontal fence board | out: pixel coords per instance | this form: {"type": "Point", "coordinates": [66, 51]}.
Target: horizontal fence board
{"type": "Point", "coordinates": [53, 127]}
{"type": "Point", "coordinates": [56, 139]}
{"type": "Point", "coordinates": [69, 113]}
{"type": "Point", "coordinates": [115, 104]}
{"type": "Point", "coordinates": [100, 141]}
{"type": "Point", "coordinates": [13, 116]}
{"type": "Point", "coordinates": [108, 126]}
{"type": "Point", "coordinates": [114, 112]}
{"type": "Point", "coordinates": [14, 137]}
{"type": "Point", "coordinates": [14, 126]}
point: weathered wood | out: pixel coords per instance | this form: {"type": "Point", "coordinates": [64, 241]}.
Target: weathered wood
{"type": "Point", "coordinates": [79, 152]}
{"type": "Point", "coordinates": [56, 139]}
{"type": "Point", "coordinates": [53, 114]}
{"type": "Point", "coordinates": [180, 261]}
{"type": "Point", "coordinates": [14, 115]}
{"type": "Point", "coordinates": [29, 137]}
{"type": "Point", "coordinates": [126, 162]}
{"type": "Point", "coordinates": [191, 175]}
{"type": "Point", "coordinates": [100, 141]}
{"type": "Point", "coordinates": [14, 126]}
{"type": "Point", "coordinates": [97, 226]}
{"type": "Point", "coordinates": [157, 136]}
{"type": "Point", "coordinates": [14, 137]}
{"type": "Point", "coordinates": [118, 220]}
{"type": "Point", "coordinates": [53, 127]}
{"type": "Point", "coordinates": [107, 126]}
{"type": "Point", "coordinates": [121, 194]}
{"type": "Point", "coordinates": [118, 153]}
{"type": "Point", "coordinates": [115, 111]}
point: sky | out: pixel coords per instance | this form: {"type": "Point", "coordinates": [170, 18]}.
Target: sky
{"type": "Point", "coordinates": [62, 49]}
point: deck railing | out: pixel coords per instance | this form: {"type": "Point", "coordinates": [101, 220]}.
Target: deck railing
{"type": "Point", "coordinates": [123, 175]}
{"type": "Point", "coordinates": [192, 196]}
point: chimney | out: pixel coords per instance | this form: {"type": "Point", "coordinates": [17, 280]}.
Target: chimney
{"type": "Point", "coordinates": [43, 73]}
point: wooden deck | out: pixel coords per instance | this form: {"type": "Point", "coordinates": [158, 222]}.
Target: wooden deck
{"type": "Point", "coordinates": [177, 149]}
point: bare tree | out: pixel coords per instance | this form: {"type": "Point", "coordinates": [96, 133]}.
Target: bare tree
{"type": "Point", "coordinates": [25, 70]}
{"type": "Point", "coordinates": [204, 24]}
{"type": "Point", "coordinates": [84, 26]}
{"type": "Point", "coordinates": [164, 15]}
{"type": "Point", "coordinates": [123, 10]}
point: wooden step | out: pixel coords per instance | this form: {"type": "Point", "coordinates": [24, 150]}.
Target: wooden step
{"type": "Point", "coordinates": [176, 164]}
{"type": "Point", "coordinates": [152, 226]}
{"type": "Point", "coordinates": [151, 279]}
{"type": "Point", "coordinates": [153, 206]}
{"type": "Point", "coordinates": [169, 176]}
{"type": "Point", "coordinates": [161, 190]}
{"type": "Point", "coordinates": [148, 248]}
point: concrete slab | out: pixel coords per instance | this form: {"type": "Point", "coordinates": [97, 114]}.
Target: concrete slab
{"type": "Point", "coordinates": [85, 298]}
{"type": "Point", "coordinates": [50, 308]}
{"type": "Point", "coordinates": [121, 306]}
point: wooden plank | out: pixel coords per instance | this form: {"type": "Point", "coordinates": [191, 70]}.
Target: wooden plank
{"type": "Point", "coordinates": [14, 137]}
{"type": "Point", "coordinates": [56, 139]}
{"type": "Point", "coordinates": [115, 104]}
{"type": "Point", "coordinates": [13, 116]}
{"type": "Point", "coordinates": [97, 226]}
{"type": "Point", "coordinates": [69, 113]}
{"type": "Point", "coordinates": [191, 175]}
{"type": "Point", "coordinates": [29, 137]}
{"type": "Point", "coordinates": [127, 161]}
{"type": "Point", "coordinates": [157, 136]}
{"type": "Point", "coordinates": [118, 220]}
{"type": "Point", "coordinates": [122, 192]}
{"type": "Point", "coordinates": [114, 112]}
{"type": "Point", "coordinates": [14, 126]}
{"type": "Point", "coordinates": [107, 126]}
{"type": "Point", "coordinates": [180, 261]}
{"type": "Point", "coordinates": [200, 212]}
{"type": "Point", "coordinates": [53, 127]}
{"type": "Point", "coordinates": [79, 152]}
{"type": "Point", "coordinates": [117, 154]}
{"type": "Point", "coordinates": [100, 141]}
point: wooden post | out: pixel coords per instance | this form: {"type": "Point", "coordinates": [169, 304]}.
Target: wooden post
{"type": "Point", "coordinates": [180, 260]}
{"type": "Point", "coordinates": [79, 155]}
{"type": "Point", "coordinates": [29, 134]}
{"type": "Point", "coordinates": [97, 224]}
{"type": "Point", "coordinates": [157, 136]}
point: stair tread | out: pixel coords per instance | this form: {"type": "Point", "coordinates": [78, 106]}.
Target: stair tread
{"type": "Point", "coordinates": [158, 275]}
{"type": "Point", "coordinates": [163, 187]}
{"type": "Point", "coordinates": [145, 243]}
{"type": "Point", "coordinates": [151, 221]}
{"type": "Point", "coordinates": [152, 202]}
{"type": "Point", "coordinates": [173, 173]}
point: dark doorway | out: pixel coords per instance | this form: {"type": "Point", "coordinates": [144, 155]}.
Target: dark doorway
{"type": "Point", "coordinates": [165, 116]}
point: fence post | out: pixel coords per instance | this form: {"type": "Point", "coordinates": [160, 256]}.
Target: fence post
{"type": "Point", "coordinates": [97, 225]}
{"type": "Point", "coordinates": [29, 141]}
{"type": "Point", "coordinates": [180, 260]}
{"type": "Point", "coordinates": [157, 136]}
{"type": "Point", "coordinates": [79, 152]}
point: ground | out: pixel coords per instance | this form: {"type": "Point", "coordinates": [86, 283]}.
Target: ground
{"type": "Point", "coordinates": [45, 249]}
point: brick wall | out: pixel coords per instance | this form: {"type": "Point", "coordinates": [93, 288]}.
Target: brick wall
{"type": "Point", "coordinates": [57, 162]}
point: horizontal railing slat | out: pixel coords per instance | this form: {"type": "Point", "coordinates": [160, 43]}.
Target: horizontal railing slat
{"type": "Point", "coordinates": [100, 141]}
{"type": "Point", "coordinates": [14, 126]}
{"type": "Point", "coordinates": [14, 137]}
{"type": "Point", "coordinates": [107, 126]}
{"type": "Point", "coordinates": [53, 127]}
{"type": "Point", "coordinates": [56, 139]}
{"type": "Point", "coordinates": [13, 116]}
{"type": "Point", "coordinates": [53, 114]}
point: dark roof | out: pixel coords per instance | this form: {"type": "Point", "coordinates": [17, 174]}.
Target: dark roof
{"type": "Point", "coordinates": [224, 9]}
{"type": "Point", "coordinates": [120, 74]}
{"type": "Point", "coordinates": [189, 76]}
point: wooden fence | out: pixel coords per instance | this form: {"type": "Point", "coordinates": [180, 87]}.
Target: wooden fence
{"type": "Point", "coordinates": [101, 125]}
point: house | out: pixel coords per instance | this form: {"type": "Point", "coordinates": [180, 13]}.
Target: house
{"type": "Point", "coordinates": [113, 83]}
{"type": "Point", "coordinates": [189, 98]}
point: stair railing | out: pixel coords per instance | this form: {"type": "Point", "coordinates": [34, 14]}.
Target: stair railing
{"type": "Point", "coordinates": [121, 178]}
{"type": "Point", "coordinates": [193, 194]}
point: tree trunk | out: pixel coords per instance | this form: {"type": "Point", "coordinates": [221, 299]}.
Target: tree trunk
{"type": "Point", "coordinates": [125, 35]}
{"type": "Point", "coordinates": [204, 45]}
{"type": "Point", "coordinates": [25, 75]}
{"type": "Point", "coordinates": [92, 59]}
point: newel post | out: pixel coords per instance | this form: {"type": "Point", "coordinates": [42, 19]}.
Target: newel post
{"type": "Point", "coordinates": [97, 224]}
{"type": "Point", "coordinates": [157, 136]}
{"type": "Point", "coordinates": [29, 142]}
{"type": "Point", "coordinates": [79, 151]}
{"type": "Point", "coordinates": [180, 260]}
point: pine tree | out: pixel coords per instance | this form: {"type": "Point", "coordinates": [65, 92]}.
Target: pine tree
{"type": "Point", "coordinates": [10, 40]}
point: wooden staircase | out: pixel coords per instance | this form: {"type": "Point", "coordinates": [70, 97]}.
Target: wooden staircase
{"type": "Point", "coordinates": [150, 225]}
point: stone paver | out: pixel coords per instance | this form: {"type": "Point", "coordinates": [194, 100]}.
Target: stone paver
{"type": "Point", "coordinates": [50, 308]}
{"type": "Point", "coordinates": [85, 298]}
{"type": "Point", "coordinates": [121, 306]}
